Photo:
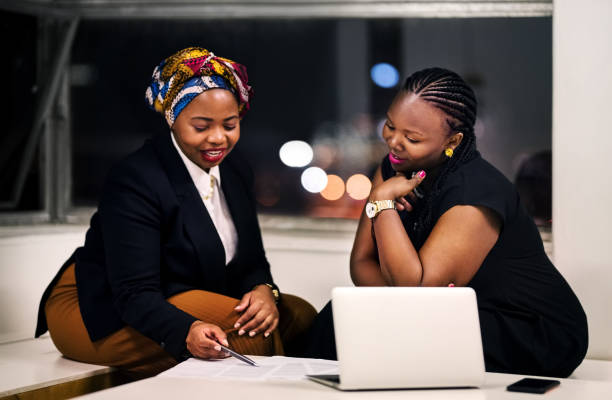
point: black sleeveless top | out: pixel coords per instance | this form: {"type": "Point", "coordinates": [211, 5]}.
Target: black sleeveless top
{"type": "Point", "coordinates": [529, 315]}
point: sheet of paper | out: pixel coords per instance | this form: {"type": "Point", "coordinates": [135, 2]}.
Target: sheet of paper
{"type": "Point", "coordinates": [269, 368]}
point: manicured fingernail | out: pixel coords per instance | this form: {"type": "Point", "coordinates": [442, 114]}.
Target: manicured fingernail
{"type": "Point", "coordinates": [421, 174]}
{"type": "Point", "coordinates": [237, 324]}
{"type": "Point", "coordinates": [241, 332]}
{"type": "Point", "coordinates": [267, 334]}
{"type": "Point", "coordinates": [225, 342]}
{"type": "Point", "coordinates": [218, 348]}
{"type": "Point", "coordinates": [252, 333]}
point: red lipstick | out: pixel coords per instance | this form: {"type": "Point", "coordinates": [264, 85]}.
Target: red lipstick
{"type": "Point", "coordinates": [212, 155]}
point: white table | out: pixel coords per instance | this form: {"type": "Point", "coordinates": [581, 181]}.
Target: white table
{"type": "Point", "coordinates": [166, 388]}
{"type": "Point", "coordinates": [35, 363]}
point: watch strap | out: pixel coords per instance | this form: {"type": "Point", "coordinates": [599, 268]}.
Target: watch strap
{"type": "Point", "coordinates": [376, 206]}
{"type": "Point", "coordinates": [384, 205]}
{"type": "Point", "coordinates": [273, 288]}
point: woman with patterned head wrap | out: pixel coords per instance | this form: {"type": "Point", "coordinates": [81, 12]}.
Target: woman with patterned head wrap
{"type": "Point", "coordinates": [173, 263]}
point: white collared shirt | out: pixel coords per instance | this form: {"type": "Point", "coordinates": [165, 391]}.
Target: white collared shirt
{"type": "Point", "coordinates": [216, 204]}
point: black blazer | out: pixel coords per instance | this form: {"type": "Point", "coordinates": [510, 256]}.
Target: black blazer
{"type": "Point", "coordinates": [152, 237]}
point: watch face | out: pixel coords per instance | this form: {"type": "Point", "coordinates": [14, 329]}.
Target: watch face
{"type": "Point", "coordinates": [370, 210]}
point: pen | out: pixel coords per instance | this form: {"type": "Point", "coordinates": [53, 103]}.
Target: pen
{"type": "Point", "coordinates": [239, 356]}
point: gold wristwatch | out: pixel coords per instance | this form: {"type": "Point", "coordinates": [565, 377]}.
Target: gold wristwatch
{"type": "Point", "coordinates": [373, 208]}
{"type": "Point", "coordinates": [273, 288]}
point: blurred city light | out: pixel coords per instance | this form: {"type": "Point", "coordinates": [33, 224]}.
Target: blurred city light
{"type": "Point", "coordinates": [384, 75]}
{"type": "Point", "coordinates": [296, 153]}
{"type": "Point", "coordinates": [358, 186]}
{"type": "Point", "coordinates": [314, 179]}
{"type": "Point", "coordinates": [334, 189]}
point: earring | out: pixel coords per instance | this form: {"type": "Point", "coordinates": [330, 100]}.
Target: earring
{"type": "Point", "coordinates": [448, 152]}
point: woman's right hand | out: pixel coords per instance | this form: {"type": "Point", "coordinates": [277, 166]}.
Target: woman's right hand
{"type": "Point", "coordinates": [203, 340]}
{"type": "Point", "coordinates": [397, 188]}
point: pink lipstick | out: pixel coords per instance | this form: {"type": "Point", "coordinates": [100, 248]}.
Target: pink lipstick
{"type": "Point", "coordinates": [212, 155]}
{"type": "Point", "coordinates": [394, 159]}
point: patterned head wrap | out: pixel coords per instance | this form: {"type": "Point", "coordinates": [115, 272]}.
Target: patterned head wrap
{"type": "Point", "coordinates": [186, 74]}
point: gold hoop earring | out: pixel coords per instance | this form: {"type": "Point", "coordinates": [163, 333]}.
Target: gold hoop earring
{"type": "Point", "coordinates": [448, 152]}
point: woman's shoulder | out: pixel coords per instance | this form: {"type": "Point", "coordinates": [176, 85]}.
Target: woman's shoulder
{"type": "Point", "coordinates": [478, 174]}
{"type": "Point", "coordinates": [142, 156]}
{"type": "Point", "coordinates": [142, 167]}
{"type": "Point", "coordinates": [478, 183]}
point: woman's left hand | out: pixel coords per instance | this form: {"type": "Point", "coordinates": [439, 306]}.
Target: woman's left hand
{"type": "Point", "coordinates": [259, 312]}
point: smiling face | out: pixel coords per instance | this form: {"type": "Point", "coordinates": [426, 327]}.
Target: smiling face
{"type": "Point", "coordinates": [417, 133]}
{"type": "Point", "coordinates": [208, 128]}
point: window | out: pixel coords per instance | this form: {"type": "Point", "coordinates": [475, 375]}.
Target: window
{"type": "Point", "coordinates": [18, 102]}
{"type": "Point", "coordinates": [313, 80]}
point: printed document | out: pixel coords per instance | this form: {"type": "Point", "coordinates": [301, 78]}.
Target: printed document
{"type": "Point", "coordinates": [269, 368]}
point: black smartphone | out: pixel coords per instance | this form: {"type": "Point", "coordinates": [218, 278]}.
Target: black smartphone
{"type": "Point", "coordinates": [533, 385]}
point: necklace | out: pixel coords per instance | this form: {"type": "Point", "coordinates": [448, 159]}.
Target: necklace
{"type": "Point", "coordinates": [212, 188]}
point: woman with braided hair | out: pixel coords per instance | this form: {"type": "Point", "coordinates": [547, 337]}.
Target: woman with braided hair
{"type": "Point", "coordinates": [440, 215]}
{"type": "Point", "coordinates": [173, 263]}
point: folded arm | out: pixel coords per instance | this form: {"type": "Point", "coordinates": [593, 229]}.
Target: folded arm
{"type": "Point", "coordinates": [458, 244]}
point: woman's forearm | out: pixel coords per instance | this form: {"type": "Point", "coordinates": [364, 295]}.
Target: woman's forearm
{"type": "Point", "coordinates": [400, 264]}
{"type": "Point", "coordinates": [367, 272]}
{"type": "Point", "coordinates": [365, 269]}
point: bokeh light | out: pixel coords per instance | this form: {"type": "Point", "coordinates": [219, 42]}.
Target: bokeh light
{"type": "Point", "coordinates": [384, 75]}
{"type": "Point", "coordinates": [296, 153]}
{"type": "Point", "coordinates": [314, 179]}
{"type": "Point", "coordinates": [358, 186]}
{"type": "Point", "coordinates": [334, 189]}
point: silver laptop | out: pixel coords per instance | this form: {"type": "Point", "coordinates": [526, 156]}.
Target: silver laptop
{"type": "Point", "coordinates": [406, 337]}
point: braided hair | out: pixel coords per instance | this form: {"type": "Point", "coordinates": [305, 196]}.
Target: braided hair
{"type": "Point", "coordinates": [450, 93]}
